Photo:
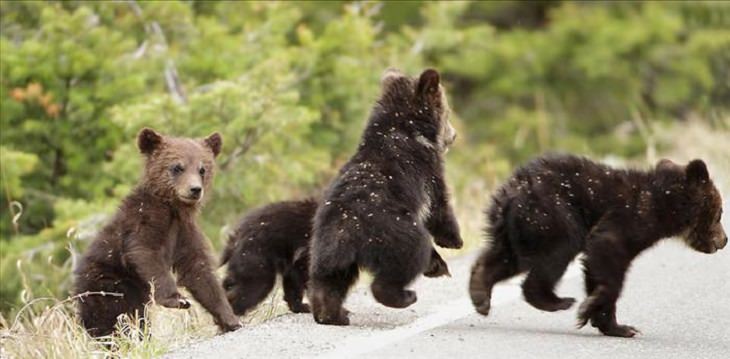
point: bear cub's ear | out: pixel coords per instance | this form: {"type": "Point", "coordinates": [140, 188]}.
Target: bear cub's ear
{"type": "Point", "coordinates": [214, 142]}
{"type": "Point", "coordinates": [428, 84]}
{"type": "Point", "coordinates": [148, 140]}
{"type": "Point", "coordinates": [666, 164]}
{"type": "Point", "coordinates": [697, 172]}
{"type": "Point", "coordinates": [389, 77]}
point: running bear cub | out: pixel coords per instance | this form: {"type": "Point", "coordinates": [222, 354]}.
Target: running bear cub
{"type": "Point", "coordinates": [558, 206]}
{"type": "Point", "coordinates": [152, 235]}
{"type": "Point", "coordinates": [275, 239]}
{"type": "Point", "coordinates": [387, 202]}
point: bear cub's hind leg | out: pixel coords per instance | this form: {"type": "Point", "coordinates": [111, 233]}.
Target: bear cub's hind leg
{"type": "Point", "coordinates": [328, 292]}
{"type": "Point", "coordinates": [538, 288]}
{"type": "Point", "coordinates": [294, 282]}
{"type": "Point", "coordinates": [493, 266]}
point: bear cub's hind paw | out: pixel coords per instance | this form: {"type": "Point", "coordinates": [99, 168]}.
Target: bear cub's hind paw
{"type": "Point", "coordinates": [300, 308]}
{"type": "Point", "coordinates": [483, 308]}
{"type": "Point", "coordinates": [618, 330]}
{"type": "Point", "coordinates": [341, 319]}
{"type": "Point", "coordinates": [552, 305]}
{"type": "Point", "coordinates": [563, 304]}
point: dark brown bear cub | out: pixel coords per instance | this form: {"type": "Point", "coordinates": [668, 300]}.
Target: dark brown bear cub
{"type": "Point", "coordinates": [152, 235]}
{"type": "Point", "coordinates": [269, 240]}
{"type": "Point", "coordinates": [275, 239]}
{"type": "Point", "coordinates": [558, 206]}
{"type": "Point", "coordinates": [387, 202]}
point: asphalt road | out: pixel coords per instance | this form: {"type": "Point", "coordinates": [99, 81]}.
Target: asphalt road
{"type": "Point", "coordinates": [678, 298]}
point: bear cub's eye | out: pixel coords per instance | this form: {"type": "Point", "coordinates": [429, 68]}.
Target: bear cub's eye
{"type": "Point", "coordinates": [202, 171]}
{"type": "Point", "coordinates": [178, 169]}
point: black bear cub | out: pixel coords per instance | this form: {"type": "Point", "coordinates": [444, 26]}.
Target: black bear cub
{"type": "Point", "coordinates": [387, 202]}
{"type": "Point", "coordinates": [269, 240]}
{"type": "Point", "coordinates": [275, 239]}
{"type": "Point", "coordinates": [153, 234]}
{"type": "Point", "coordinates": [559, 205]}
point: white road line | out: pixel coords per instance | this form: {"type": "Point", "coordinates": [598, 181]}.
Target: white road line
{"type": "Point", "coordinates": [442, 315]}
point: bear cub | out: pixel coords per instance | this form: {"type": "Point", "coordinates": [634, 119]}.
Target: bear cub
{"type": "Point", "coordinates": [560, 205]}
{"type": "Point", "coordinates": [269, 240]}
{"type": "Point", "coordinates": [387, 201]}
{"type": "Point", "coordinates": [153, 234]}
{"type": "Point", "coordinates": [275, 239]}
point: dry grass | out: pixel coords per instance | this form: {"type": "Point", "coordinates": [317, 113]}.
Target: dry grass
{"type": "Point", "coordinates": [696, 140]}
{"type": "Point", "coordinates": [469, 205]}
{"type": "Point", "coordinates": [54, 332]}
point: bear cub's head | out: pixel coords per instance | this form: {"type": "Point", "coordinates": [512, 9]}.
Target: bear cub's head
{"type": "Point", "coordinates": [423, 102]}
{"type": "Point", "coordinates": [178, 169]}
{"type": "Point", "coordinates": [702, 201]}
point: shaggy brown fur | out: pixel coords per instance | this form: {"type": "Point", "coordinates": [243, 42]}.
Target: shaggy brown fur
{"type": "Point", "coordinates": [558, 206]}
{"type": "Point", "coordinates": [153, 234]}
{"type": "Point", "coordinates": [387, 202]}
{"type": "Point", "coordinates": [275, 239]}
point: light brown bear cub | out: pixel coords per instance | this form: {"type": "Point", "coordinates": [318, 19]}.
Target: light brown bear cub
{"type": "Point", "coordinates": [154, 234]}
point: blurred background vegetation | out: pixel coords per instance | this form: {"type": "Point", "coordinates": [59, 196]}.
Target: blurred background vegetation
{"type": "Point", "coordinates": [289, 86]}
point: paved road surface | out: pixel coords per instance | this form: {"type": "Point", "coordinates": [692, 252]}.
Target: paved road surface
{"type": "Point", "coordinates": [678, 298]}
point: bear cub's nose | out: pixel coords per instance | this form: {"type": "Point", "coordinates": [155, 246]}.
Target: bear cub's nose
{"type": "Point", "coordinates": [195, 191]}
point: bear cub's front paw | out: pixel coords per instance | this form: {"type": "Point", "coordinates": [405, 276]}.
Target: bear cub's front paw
{"type": "Point", "coordinates": [230, 325]}
{"type": "Point", "coordinates": [176, 301]}
{"type": "Point", "coordinates": [183, 303]}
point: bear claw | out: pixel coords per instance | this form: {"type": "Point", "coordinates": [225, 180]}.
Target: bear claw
{"type": "Point", "coordinates": [183, 303]}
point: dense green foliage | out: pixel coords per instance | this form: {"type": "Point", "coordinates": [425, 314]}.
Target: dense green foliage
{"type": "Point", "coordinates": [289, 86]}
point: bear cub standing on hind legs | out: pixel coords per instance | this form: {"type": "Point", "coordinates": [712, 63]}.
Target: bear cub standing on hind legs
{"type": "Point", "coordinates": [275, 239]}
{"type": "Point", "coordinates": [387, 201]}
{"type": "Point", "coordinates": [152, 235]}
{"type": "Point", "coordinates": [558, 206]}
